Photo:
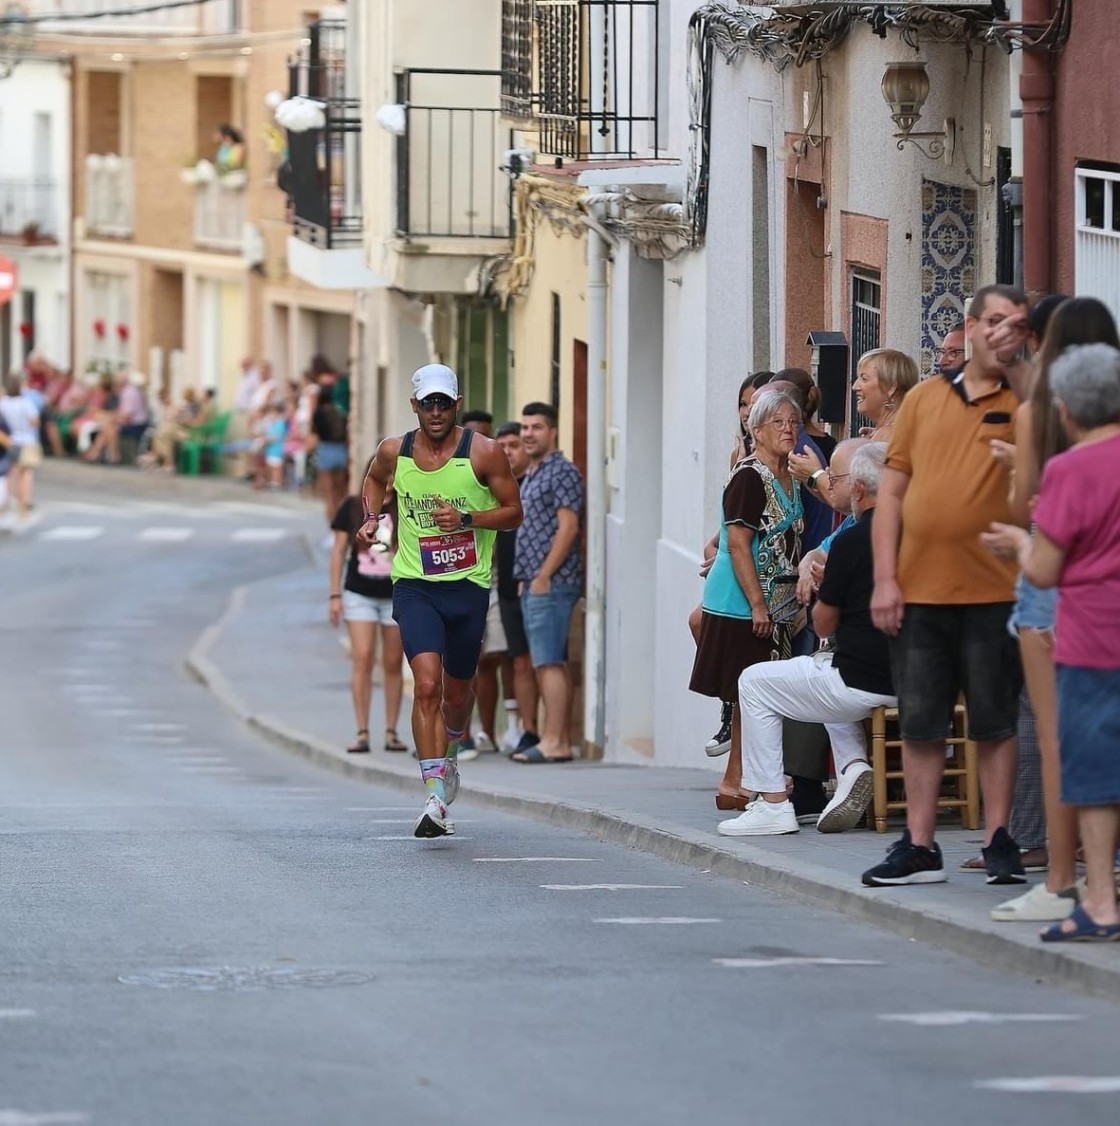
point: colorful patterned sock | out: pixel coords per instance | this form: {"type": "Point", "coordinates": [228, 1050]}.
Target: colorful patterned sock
{"type": "Point", "coordinates": [433, 770]}
{"type": "Point", "coordinates": [454, 738]}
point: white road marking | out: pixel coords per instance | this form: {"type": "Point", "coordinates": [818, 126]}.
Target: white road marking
{"type": "Point", "coordinates": [258, 535]}
{"type": "Point", "coordinates": [86, 688]}
{"type": "Point", "coordinates": [198, 760]}
{"type": "Point", "coordinates": [120, 713]}
{"type": "Point", "coordinates": [537, 860]}
{"type": "Point", "coordinates": [160, 726]}
{"type": "Point", "coordinates": [16, 1014]}
{"type": "Point", "coordinates": [413, 837]}
{"type": "Point", "coordinates": [1055, 1084]}
{"type": "Point", "coordinates": [378, 808]}
{"type": "Point", "coordinates": [72, 533]}
{"type": "Point", "coordinates": [658, 921]}
{"type": "Point", "coordinates": [242, 507]}
{"type": "Point", "coordinates": [612, 887]}
{"type": "Point", "coordinates": [10, 1117]}
{"type": "Point", "coordinates": [766, 963]}
{"type": "Point", "coordinates": [948, 1019]}
{"type": "Point", "coordinates": [203, 769]}
{"type": "Point", "coordinates": [81, 506]}
{"type": "Point", "coordinates": [165, 535]}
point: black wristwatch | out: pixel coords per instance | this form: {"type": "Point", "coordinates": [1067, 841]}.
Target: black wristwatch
{"type": "Point", "coordinates": [466, 520]}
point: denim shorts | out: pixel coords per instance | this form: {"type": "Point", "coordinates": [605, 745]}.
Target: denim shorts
{"type": "Point", "coordinates": [1089, 731]}
{"type": "Point", "coordinates": [548, 618]}
{"type": "Point", "coordinates": [330, 455]}
{"type": "Point", "coordinates": [942, 651]}
{"type": "Point", "coordinates": [1034, 608]}
{"type": "Point", "coordinates": [361, 608]}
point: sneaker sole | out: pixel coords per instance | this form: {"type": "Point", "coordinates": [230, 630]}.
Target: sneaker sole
{"type": "Point", "coordinates": [897, 881]}
{"type": "Point", "coordinates": [760, 833]}
{"type": "Point", "coordinates": [428, 828]}
{"type": "Point", "coordinates": [717, 750]}
{"type": "Point", "coordinates": [851, 811]}
{"type": "Point", "coordinates": [451, 783]}
{"type": "Point", "coordinates": [1003, 878]}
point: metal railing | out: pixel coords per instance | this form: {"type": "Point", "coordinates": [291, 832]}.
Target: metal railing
{"type": "Point", "coordinates": [588, 72]}
{"type": "Point", "coordinates": [29, 209]}
{"type": "Point", "coordinates": [219, 213]}
{"type": "Point", "coordinates": [323, 178]}
{"type": "Point", "coordinates": [210, 18]}
{"type": "Point", "coordinates": [108, 195]}
{"type": "Point", "coordinates": [450, 183]}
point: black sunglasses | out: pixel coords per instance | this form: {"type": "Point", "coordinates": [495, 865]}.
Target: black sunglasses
{"type": "Point", "coordinates": [435, 402]}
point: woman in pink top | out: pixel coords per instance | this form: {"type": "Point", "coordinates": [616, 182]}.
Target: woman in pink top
{"type": "Point", "coordinates": [1077, 549]}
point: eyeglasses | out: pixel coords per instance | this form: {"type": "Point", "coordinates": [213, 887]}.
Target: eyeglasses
{"type": "Point", "coordinates": [784, 423]}
{"type": "Point", "coordinates": [952, 351]}
{"type": "Point", "coordinates": [435, 402]}
{"type": "Point", "coordinates": [834, 477]}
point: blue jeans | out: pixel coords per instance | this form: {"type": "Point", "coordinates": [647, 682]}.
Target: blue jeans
{"type": "Point", "coordinates": [548, 618]}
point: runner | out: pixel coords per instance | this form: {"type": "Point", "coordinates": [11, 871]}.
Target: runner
{"type": "Point", "coordinates": [455, 491]}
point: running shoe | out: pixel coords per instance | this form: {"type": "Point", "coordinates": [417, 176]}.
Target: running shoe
{"type": "Point", "coordinates": [451, 781]}
{"type": "Point", "coordinates": [434, 821]}
{"type": "Point", "coordinates": [463, 750]}
{"type": "Point", "coordinates": [1003, 860]}
{"type": "Point", "coordinates": [907, 863]}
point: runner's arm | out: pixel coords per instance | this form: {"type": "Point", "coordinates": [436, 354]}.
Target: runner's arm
{"type": "Point", "coordinates": [377, 479]}
{"type": "Point", "coordinates": [492, 467]}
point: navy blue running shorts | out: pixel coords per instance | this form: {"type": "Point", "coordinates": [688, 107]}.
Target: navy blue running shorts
{"type": "Point", "coordinates": [448, 618]}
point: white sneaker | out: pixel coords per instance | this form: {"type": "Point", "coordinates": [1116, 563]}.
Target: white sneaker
{"type": "Point", "coordinates": [762, 819]}
{"type": "Point", "coordinates": [434, 821]}
{"type": "Point", "coordinates": [1037, 906]}
{"type": "Point", "coordinates": [854, 789]}
{"type": "Point", "coordinates": [483, 743]}
{"type": "Point", "coordinates": [451, 781]}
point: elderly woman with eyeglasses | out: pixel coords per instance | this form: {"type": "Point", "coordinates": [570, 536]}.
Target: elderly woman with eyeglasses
{"type": "Point", "coordinates": [748, 611]}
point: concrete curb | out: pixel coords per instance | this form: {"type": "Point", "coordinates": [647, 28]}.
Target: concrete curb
{"type": "Point", "coordinates": [817, 887]}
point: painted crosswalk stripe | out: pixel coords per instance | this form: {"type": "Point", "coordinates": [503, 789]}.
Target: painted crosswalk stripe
{"type": "Point", "coordinates": [767, 963]}
{"type": "Point", "coordinates": [659, 921]}
{"type": "Point", "coordinates": [950, 1019]}
{"type": "Point", "coordinates": [165, 535]}
{"type": "Point", "coordinates": [612, 887]}
{"type": "Point", "coordinates": [1054, 1084]}
{"type": "Point", "coordinates": [160, 726]}
{"type": "Point", "coordinates": [16, 1014]}
{"type": "Point", "coordinates": [258, 535]}
{"type": "Point", "coordinates": [72, 533]}
{"type": "Point", "coordinates": [537, 860]}
{"type": "Point", "coordinates": [10, 1116]}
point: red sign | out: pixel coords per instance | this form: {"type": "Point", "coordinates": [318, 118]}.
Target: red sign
{"type": "Point", "coordinates": [9, 279]}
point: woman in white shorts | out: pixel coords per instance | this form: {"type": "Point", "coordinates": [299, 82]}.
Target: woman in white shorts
{"type": "Point", "coordinates": [365, 600]}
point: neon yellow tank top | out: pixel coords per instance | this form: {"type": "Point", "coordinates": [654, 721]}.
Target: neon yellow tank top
{"type": "Point", "coordinates": [423, 551]}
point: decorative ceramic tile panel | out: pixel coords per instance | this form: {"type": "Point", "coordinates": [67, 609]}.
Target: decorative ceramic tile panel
{"type": "Point", "coordinates": [948, 263]}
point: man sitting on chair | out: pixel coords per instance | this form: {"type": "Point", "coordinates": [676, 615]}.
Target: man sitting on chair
{"type": "Point", "coordinates": [838, 688]}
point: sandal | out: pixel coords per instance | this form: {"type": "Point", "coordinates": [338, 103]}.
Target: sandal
{"type": "Point", "coordinates": [392, 742]}
{"type": "Point", "coordinates": [727, 800]}
{"type": "Point", "coordinates": [360, 746]}
{"type": "Point", "coordinates": [1085, 929]}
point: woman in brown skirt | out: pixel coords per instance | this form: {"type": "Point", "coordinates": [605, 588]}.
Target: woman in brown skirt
{"type": "Point", "coordinates": [759, 545]}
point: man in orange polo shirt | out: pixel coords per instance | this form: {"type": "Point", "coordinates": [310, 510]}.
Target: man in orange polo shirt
{"type": "Point", "coordinates": [945, 600]}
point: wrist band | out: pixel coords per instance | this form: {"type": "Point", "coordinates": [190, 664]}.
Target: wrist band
{"type": "Point", "coordinates": [332, 597]}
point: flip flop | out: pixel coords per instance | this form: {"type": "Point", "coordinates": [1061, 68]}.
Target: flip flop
{"type": "Point", "coordinates": [532, 756]}
{"type": "Point", "coordinates": [1085, 929]}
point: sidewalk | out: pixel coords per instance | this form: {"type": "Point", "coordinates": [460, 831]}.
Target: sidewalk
{"type": "Point", "coordinates": [273, 659]}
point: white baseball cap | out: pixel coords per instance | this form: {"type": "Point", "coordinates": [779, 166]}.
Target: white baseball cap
{"type": "Point", "coordinates": [434, 379]}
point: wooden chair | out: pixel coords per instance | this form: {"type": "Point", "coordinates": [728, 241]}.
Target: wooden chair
{"type": "Point", "coordinates": [962, 768]}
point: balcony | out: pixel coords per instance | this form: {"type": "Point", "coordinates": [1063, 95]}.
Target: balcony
{"type": "Point", "coordinates": [29, 210]}
{"type": "Point", "coordinates": [585, 74]}
{"type": "Point", "coordinates": [108, 195]}
{"type": "Point", "coordinates": [219, 210]}
{"type": "Point", "coordinates": [449, 159]}
{"type": "Point", "coordinates": [215, 17]}
{"type": "Point", "coordinates": [323, 176]}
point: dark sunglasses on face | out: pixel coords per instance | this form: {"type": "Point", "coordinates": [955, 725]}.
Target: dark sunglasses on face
{"type": "Point", "coordinates": [435, 402]}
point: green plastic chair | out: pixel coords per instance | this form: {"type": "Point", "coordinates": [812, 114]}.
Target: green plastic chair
{"type": "Point", "coordinates": [209, 438]}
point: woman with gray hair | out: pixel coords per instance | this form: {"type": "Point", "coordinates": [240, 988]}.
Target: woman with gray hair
{"type": "Point", "coordinates": [1077, 549]}
{"type": "Point", "coordinates": [749, 611]}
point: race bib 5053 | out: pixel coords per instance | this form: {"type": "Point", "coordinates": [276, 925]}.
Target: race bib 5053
{"type": "Point", "coordinates": [446, 554]}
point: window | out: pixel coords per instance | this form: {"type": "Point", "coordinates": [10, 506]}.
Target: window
{"type": "Point", "coordinates": [866, 295]}
{"type": "Point", "coordinates": [1097, 238]}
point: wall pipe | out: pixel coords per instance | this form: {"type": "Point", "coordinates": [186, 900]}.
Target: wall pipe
{"type": "Point", "coordinates": [1036, 89]}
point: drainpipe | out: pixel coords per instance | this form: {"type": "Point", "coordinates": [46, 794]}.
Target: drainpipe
{"type": "Point", "coordinates": [1013, 189]}
{"type": "Point", "coordinates": [1036, 88]}
{"type": "Point", "coordinates": [594, 643]}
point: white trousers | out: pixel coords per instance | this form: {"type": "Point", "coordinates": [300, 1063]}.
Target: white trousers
{"type": "Point", "coordinates": [804, 688]}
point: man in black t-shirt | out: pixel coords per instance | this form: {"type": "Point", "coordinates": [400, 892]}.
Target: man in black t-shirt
{"type": "Point", "coordinates": [837, 688]}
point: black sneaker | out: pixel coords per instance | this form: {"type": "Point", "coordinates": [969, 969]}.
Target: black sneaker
{"type": "Point", "coordinates": [1004, 860]}
{"type": "Point", "coordinates": [720, 742]}
{"type": "Point", "coordinates": [808, 799]}
{"type": "Point", "coordinates": [527, 740]}
{"type": "Point", "coordinates": [907, 863]}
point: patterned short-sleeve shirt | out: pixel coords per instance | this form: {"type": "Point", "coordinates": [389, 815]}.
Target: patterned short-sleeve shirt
{"type": "Point", "coordinates": [556, 483]}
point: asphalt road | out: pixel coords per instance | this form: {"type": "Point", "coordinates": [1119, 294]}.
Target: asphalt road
{"type": "Point", "coordinates": [197, 928]}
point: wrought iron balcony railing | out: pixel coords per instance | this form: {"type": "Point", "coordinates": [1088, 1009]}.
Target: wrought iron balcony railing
{"type": "Point", "coordinates": [587, 73]}
{"type": "Point", "coordinates": [450, 182]}
{"type": "Point", "coordinates": [84, 17]}
{"type": "Point", "coordinates": [108, 199]}
{"type": "Point", "coordinates": [323, 178]}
